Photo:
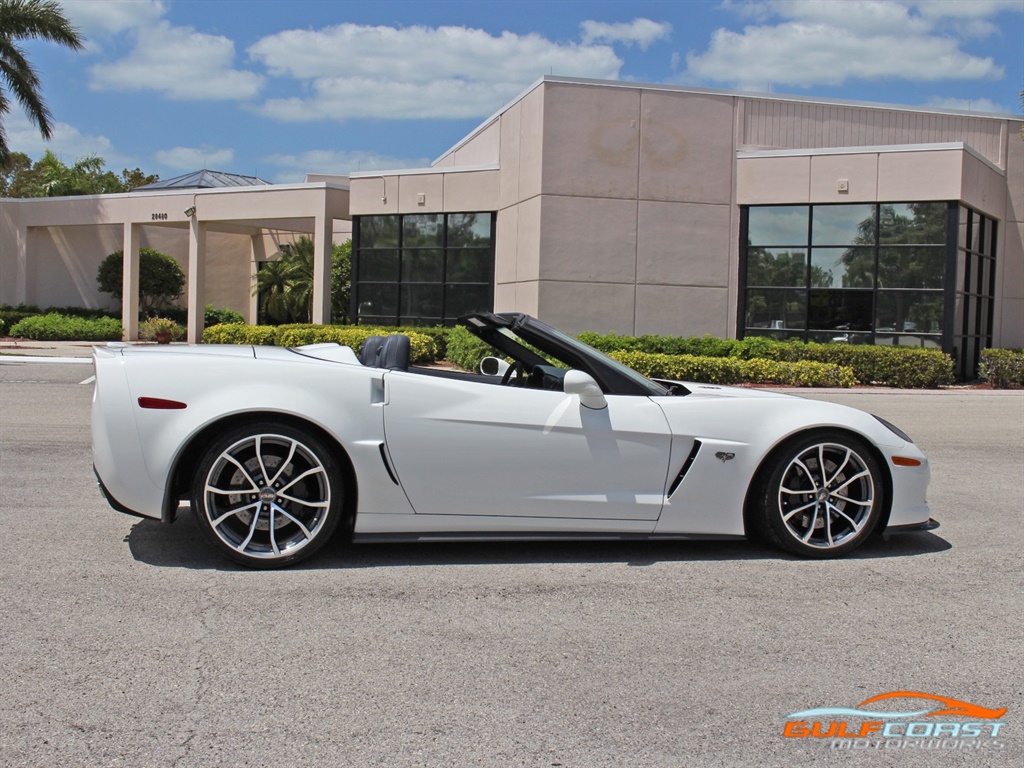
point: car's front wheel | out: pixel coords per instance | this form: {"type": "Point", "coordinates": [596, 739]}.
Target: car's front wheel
{"type": "Point", "coordinates": [268, 495]}
{"type": "Point", "coordinates": [822, 495]}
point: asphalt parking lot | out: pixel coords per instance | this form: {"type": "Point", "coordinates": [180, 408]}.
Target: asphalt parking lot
{"type": "Point", "coordinates": [129, 643]}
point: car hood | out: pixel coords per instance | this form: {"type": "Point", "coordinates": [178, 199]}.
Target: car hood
{"type": "Point", "coordinates": [717, 390]}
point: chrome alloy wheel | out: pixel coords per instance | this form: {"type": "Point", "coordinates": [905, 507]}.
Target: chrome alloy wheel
{"type": "Point", "coordinates": [267, 496]}
{"type": "Point", "coordinates": [827, 495]}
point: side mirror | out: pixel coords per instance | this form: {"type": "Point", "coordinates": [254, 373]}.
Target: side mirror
{"type": "Point", "coordinates": [589, 391]}
{"type": "Point", "coordinates": [493, 366]}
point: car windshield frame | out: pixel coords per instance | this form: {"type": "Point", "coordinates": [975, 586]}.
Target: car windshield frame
{"type": "Point", "coordinates": [508, 332]}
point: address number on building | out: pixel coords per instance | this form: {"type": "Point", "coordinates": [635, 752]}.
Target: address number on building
{"type": "Point", "coordinates": [158, 216]}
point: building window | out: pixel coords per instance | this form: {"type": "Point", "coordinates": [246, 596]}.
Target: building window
{"type": "Point", "coordinates": [871, 274]}
{"type": "Point", "coordinates": [422, 269]}
{"type": "Point", "coordinates": [974, 289]}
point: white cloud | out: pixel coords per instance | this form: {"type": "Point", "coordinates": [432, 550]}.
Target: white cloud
{"type": "Point", "coordinates": [643, 32]}
{"type": "Point", "coordinates": [294, 168]}
{"type": "Point", "coordinates": [195, 158]}
{"type": "Point", "coordinates": [101, 17]}
{"type": "Point", "coordinates": [67, 142]}
{"type": "Point", "coordinates": [966, 9]}
{"type": "Point", "coordinates": [181, 64]}
{"type": "Point", "coordinates": [412, 72]}
{"type": "Point", "coordinates": [828, 43]}
{"type": "Point", "coordinates": [970, 105]}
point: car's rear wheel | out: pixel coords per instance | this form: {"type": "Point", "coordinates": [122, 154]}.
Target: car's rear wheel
{"type": "Point", "coordinates": [822, 495]}
{"type": "Point", "coordinates": [268, 495]}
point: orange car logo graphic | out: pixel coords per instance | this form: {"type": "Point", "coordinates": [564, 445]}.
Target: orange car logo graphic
{"type": "Point", "coordinates": [949, 706]}
{"type": "Point", "coordinates": [887, 722]}
{"type": "Point", "coordinates": [945, 706]}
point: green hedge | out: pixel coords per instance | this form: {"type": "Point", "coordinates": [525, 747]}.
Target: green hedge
{"type": "Point", "coordinates": [732, 370]}
{"type": "Point", "coordinates": [885, 365]}
{"type": "Point", "coordinates": [422, 348]}
{"type": "Point", "coordinates": [12, 315]}
{"type": "Point", "coordinates": [57, 327]}
{"type": "Point", "coordinates": [1002, 368]}
{"type": "Point", "coordinates": [466, 350]}
{"type": "Point", "coordinates": [240, 333]}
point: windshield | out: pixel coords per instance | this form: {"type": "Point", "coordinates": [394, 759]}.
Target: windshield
{"type": "Point", "coordinates": [585, 350]}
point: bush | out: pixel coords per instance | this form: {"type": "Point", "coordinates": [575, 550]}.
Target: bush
{"type": "Point", "coordinates": [240, 333]}
{"type": "Point", "coordinates": [888, 366]}
{"type": "Point", "coordinates": [732, 370]}
{"type": "Point", "coordinates": [901, 367]}
{"type": "Point", "coordinates": [1002, 368]}
{"type": "Point", "coordinates": [466, 350]}
{"type": "Point", "coordinates": [14, 315]}
{"type": "Point", "coordinates": [421, 350]}
{"type": "Point", "coordinates": [161, 279]}
{"type": "Point", "coordinates": [214, 316]}
{"type": "Point", "coordinates": [438, 333]}
{"type": "Point", "coordinates": [87, 312]}
{"type": "Point", "coordinates": [57, 327]}
{"type": "Point", "coordinates": [151, 328]}
{"type": "Point", "coordinates": [3, 327]}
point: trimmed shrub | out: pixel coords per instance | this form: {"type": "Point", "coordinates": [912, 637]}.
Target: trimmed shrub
{"type": "Point", "coordinates": [466, 350]}
{"type": "Point", "coordinates": [87, 312]}
{"type": "Point", "coordinates": [1002, 368]}
{"type": "Point", "coordinates": [421, 346]}
{"type": "Point", "coordinates": [215, 316]}
{"type": "Point", "coordinates": [438, 333]}
{"type": "Point", "coordinates": [14, 315]}
{"type": "Point", "coordinates": [56, 327]}
{"type": "Point", "coordinates": [731, 370]}
{"type": "Point", "coordinates": [885, 365]}
{"type": "Point", "coordinates": [902, 367]}
{"type": "Point", "coordinates": [240, 333]}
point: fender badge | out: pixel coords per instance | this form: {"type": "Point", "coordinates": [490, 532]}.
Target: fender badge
{"type": "Point", "coordinates": [725, 456]}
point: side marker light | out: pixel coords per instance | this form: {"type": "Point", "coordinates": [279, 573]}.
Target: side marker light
{"type": "Point", "coordinates": [158, 403]}
{"type": "Point", "coordinates": [905, 461]}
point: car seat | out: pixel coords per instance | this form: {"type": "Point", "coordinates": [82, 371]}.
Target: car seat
{"type": "Point", "coordinates": [394, 353]}
{"type": "Point", "coordinates": [370, 352]}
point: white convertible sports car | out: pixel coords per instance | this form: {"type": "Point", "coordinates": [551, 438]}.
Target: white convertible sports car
{"type": "Point", "coordinates": [280, 449]}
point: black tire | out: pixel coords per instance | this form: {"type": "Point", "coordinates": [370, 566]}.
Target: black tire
{"type": "Point", "coordinates": [268, 495]}
{"type": "Point", "coordinates": [802, 512]}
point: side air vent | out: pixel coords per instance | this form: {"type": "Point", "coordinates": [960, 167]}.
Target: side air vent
{"type": "Point", "coordinates": [686, 467]}
{"type": "Point", "coordinates": [387, 464]}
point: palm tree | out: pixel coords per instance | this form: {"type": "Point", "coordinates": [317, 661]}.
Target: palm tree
{"type": "Point", "coordinates": [273, 281]}
{"type": "Point", "coordinates": [27, 20]}
{"type": "Point", "coordinates": [285, 284]}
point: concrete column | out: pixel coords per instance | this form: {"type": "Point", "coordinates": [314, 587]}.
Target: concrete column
{"type": "Point", "coordinates": [21, 266]}
{"type": "Point", "coordinates": [130, 282]}
{"type": "Point", "coordinates": [254, 300]}
{"type": "Point", "coordinates": [323, 232]}
{"type": "Point", "coordinates": [196, 277]}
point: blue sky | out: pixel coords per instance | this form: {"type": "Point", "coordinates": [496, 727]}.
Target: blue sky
{"type": "Point", "coordinates": [280, 89]}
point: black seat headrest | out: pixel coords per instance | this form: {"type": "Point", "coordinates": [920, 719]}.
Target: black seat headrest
{"type": "Point", "coordinates": [370, 352]}
{"type": "Point", "coordinates": [394, 353]}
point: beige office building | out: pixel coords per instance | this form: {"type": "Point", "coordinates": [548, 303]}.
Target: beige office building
{"type": "Point", "coordinates": [624, 207]}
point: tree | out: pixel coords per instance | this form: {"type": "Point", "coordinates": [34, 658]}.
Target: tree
{"type": "Point", "coordinates": [51, 177]}
{"type": "Point", "coordinates": [28, 20]}
{"type": "Point", "coordinates": [18, 165]}
{"type": "Point", "coordinates": [160, 278]}
{"type": "Point", "coordinates": [285, 284]}
{"type": "Point", "coordinates": [341, 281]}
